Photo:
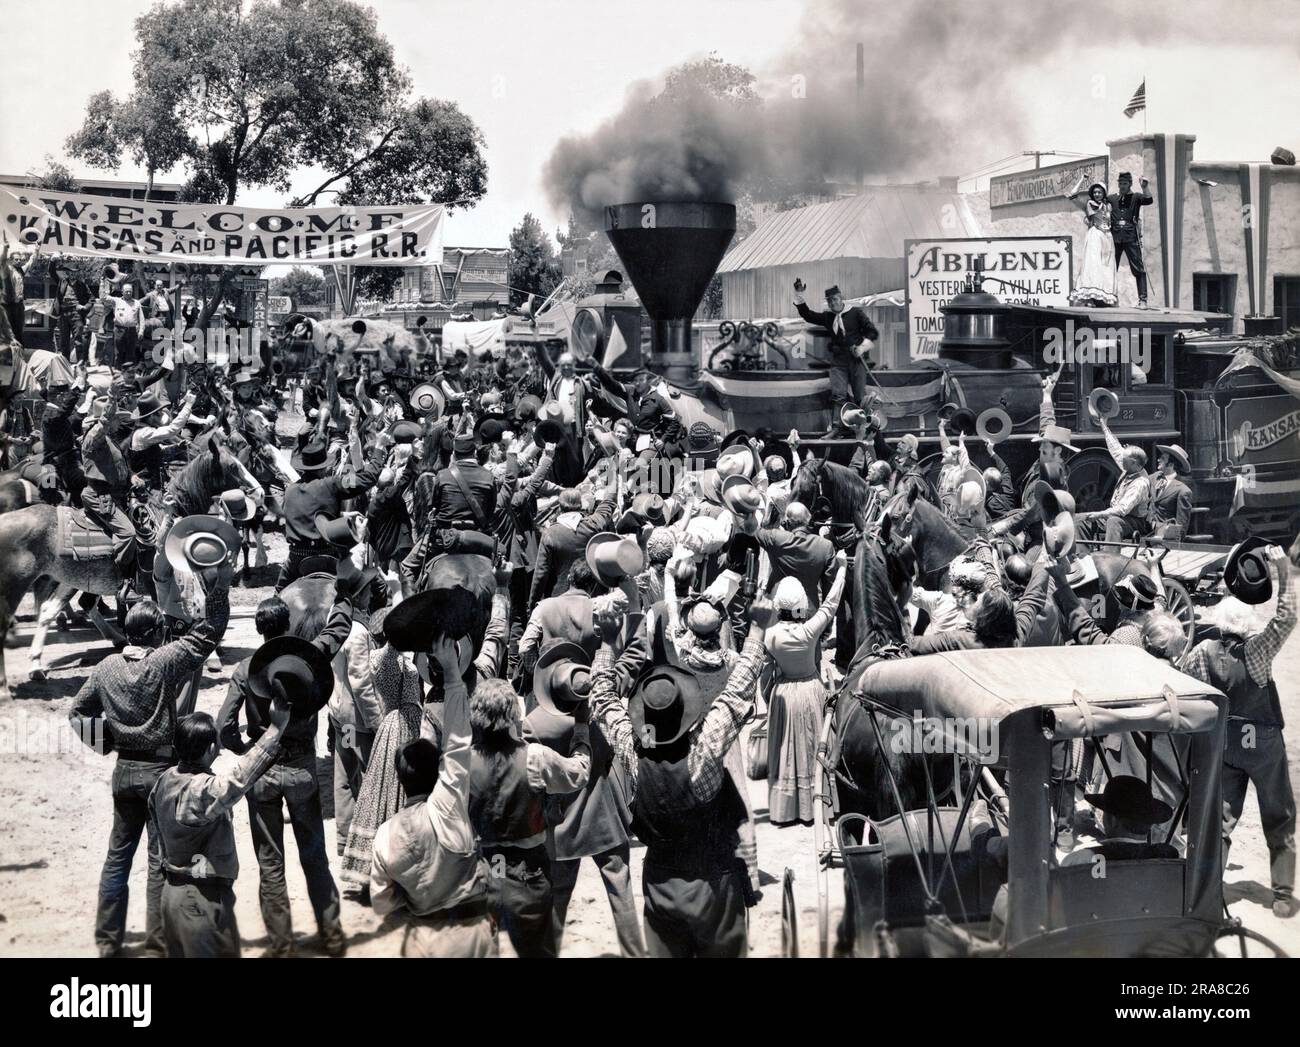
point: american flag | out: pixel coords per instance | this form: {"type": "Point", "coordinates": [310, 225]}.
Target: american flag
{"type": "Point", "coordinates": [1138, 102]}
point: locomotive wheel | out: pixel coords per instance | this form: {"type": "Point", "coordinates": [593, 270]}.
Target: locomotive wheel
{"type": "Point", "coordinates": [1093, 475]}
{"type": "Point", "coordinates": [1179, 602]}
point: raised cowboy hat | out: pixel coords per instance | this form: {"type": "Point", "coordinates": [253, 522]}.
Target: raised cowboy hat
{"type": "Point", "coordinates": [711, 486]}
{"type": "Point", "coordinates": [548, 431]}
{"type": "Point", "coordinates": [605, 441]}
{"type": "Point", "coordinates": [1246, 573]}
{"type": "Point", "coordinates": [737, 458]}
{"type": "Point", "coordinates": [612, 557]}
{"type": "Point", "coordinates": [1136, 592]}
{"type": "Point", "coordinates": [1056, 434]}
{"type": "Point", "coordinates": [240, 507]}
{"type": "Point", "coordinates": [146, 406]}
{"type": "Point", "coordinates": [527, 407]}
{"type": "Point", "coordinates": [200, 542]}
{"type": "Point", "coordinates": [404, 432]}
{"type": "Point", "coordinates": [963, 420]}
{"type": "Point", "coordinates": [312, 458]}
{"type": "Point", "coordinates": [562, 677]}
{"type": "Point", "coordinates": [490, 430]}
{"type": "Point", "coordinates": [302, 667]}
{"type": "Point", "coordinates": [665, 703]}
{"type": "Point", "coordinates": [420, 619]}
{"type": "Point", "coordinates": [427, 400]}
{"type": "Point", "coordinates": [1129, 798]}
{"type": "Point", "coordinates": [740, 495]}
{"type": "Point", "coordinates": [1056, 509]}
{"type": "Point", "coordinates": [337, 530]}
{"type": "Point", "coordinates": [1103, 404]}
{"type": "Point", "coordinates": [244, 376]}
{"type": "Point", "coordinates": [1177, 455]}
{"type": "Point", "coordinates": [645, 509]}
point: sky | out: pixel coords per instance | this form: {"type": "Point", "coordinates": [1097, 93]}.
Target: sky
{"type": "Point", "coordinates": [530, 72]}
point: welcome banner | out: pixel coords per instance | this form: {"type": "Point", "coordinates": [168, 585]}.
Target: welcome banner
{"type": "Point", "coordinates": [101, 226]}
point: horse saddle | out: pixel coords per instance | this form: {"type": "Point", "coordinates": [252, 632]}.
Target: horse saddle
{"type": "Point", "coordinates": [79, 537]}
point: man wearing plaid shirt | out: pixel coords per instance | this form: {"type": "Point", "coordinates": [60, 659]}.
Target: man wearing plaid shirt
{"type": "Point", "coordinates": [1241, 666]}
{"type": "Point", "coordinates": [694, 885]}
{"type": "Point", "coordinates": [1129, 514]}
{"type": "Point", "coordinates": [131, 700]}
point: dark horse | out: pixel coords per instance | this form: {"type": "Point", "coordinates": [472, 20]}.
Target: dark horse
{"type": "Point", "coordinates": [932, 542]}
{"type": "Point", "coordinates": [309, 598]}
{"type": "Point", "coordinates": [839, 496]}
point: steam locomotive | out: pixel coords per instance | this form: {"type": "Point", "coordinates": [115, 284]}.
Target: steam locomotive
{"type": "Point", "coordinates": [1165, 376]}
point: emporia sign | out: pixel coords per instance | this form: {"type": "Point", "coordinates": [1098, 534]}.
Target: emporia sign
{"type": "Point", "coordinates": [1021, 270]}
{"type": "Point", "coordinates": [78, 224]}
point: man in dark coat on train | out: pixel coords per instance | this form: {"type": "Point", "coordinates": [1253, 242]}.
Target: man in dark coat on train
{"type": "Point", "coordinates": [853, 336]}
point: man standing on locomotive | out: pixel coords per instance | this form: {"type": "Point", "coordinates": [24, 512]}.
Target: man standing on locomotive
{"type": "Point", "coordinates": [1126, 230]}
{"type": "Point", "coordinates": [853, 336]}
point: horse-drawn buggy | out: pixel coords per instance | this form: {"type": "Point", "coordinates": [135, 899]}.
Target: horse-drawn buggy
{"type": "Point", "coordinates": [936, 799]}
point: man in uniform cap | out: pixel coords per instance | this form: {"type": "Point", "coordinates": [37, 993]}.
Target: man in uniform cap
{"type": "Point", "coordinates": [853, 335]}
{"type": "Point", "coordinates": [1126, 229]}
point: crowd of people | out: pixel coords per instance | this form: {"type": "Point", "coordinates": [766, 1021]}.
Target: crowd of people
{"type": "Point", "coordinates": [537, 608]}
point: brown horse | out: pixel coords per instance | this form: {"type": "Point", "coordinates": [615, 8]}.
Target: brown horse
{"type": "Point", "coordinates": [29, 538]}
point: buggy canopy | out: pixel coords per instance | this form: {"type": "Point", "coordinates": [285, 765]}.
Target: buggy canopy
{"type": "Point", "coordinates": [1074, 692]}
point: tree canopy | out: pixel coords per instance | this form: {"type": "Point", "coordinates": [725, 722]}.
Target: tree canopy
{"type": "Point", "coordinates": [303, 286]}
{"type": "Point", "coordinates": [248, 94]}
{"type": "Point", "coordinates": [534, 267]}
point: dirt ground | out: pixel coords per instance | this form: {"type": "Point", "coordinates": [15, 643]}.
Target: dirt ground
{"type": "Point", "coordinates": [56, 810]}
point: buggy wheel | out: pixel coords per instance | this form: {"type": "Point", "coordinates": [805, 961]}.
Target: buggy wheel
{"type": "Point", "coordinates": [789, 917]}
{"type": "Point", "coordinates": [1179, 602]}
{"type": "Point", "coordinates": [1234, 929]}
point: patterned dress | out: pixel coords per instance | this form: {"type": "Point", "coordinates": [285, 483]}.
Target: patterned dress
{"type": "Point", "coordinates": [382, 795]}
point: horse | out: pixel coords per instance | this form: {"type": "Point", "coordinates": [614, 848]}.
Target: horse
{"type": "Point", "coordinates": [29, 537]}
{"type": "Point", "coordinates": [310, 598]}
{"type": "Point", "coordinates": [853, 507]}
{"type": "Point", "coordinates": [937, 541]}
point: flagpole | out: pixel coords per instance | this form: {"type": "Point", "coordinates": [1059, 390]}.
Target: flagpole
{"type": "Point", "coordinates": [1146, 102]}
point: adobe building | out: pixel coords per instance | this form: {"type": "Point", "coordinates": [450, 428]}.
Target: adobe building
{"type": "Point", "coordinates": [1221, 236]}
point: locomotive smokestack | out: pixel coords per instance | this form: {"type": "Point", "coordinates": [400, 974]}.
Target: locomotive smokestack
{"type": "Point", "coordinates": [671, 251]}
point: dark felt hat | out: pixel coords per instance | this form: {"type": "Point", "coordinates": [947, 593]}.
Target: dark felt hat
{"type": "Point", "coordinates": [1246, 573]}
{"type": "Point", "coordinates": [418, 620]}
{"type": "Point", "coordinates": [562, 677]}
{"type": "Point", "coordinates": [300, 665]}
{"type": "Point", "coordinates": [665, 703]}
{"type": "Point", "coordinates": [1129, 798]}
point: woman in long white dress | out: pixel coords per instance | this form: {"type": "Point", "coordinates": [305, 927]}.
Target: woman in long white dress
{"type": "Point", "coordinates": [1096, 283]}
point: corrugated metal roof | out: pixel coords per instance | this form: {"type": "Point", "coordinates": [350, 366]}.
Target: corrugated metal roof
{"type": "Point", "coordinates": [872, 225]}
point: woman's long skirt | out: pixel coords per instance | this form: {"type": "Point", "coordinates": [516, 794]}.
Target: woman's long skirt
{"type": "Point", "coordinates": [794, 724]}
